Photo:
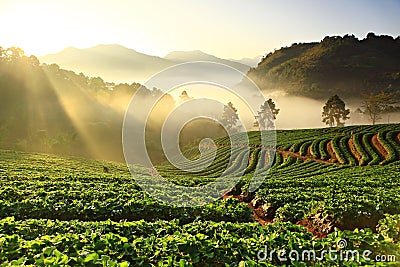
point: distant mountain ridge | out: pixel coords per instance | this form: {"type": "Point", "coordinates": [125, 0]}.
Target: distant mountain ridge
{"type": "Point", "coordinates": [120, 64]}
{"type": "Point", "coordinates": [336, 65]}
{"type": "Point", "coordinates": [197, 55]}
{"type": "Point", "coordinates": [252, 62]}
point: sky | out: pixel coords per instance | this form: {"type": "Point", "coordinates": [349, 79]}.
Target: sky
{"type": "Point", "coordinates": [225, 28]}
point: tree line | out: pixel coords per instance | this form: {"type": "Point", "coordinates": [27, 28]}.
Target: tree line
{"type": "Point", "coordinates": [47, 109]}
{"type": "Point", "coordinates": [334, 112]}
{"type": "Point", "coordinates": [373, 106]}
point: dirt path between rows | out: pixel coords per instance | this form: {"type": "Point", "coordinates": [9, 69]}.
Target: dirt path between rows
{"type": "Point", "coordinates": [258, 213]}
{"type": "Point", "coordinates": [353, 149]}
{"type": "Point", "coordinates": [318, 225]}
{"type": "Point", "coordinates": [286, 154]}
{"type": "Point", "coordinates": [381, 149]}
{"type": "Point", "coordinates": [331, 153]}
{"type": "Point", "coordinates": [329, 147]}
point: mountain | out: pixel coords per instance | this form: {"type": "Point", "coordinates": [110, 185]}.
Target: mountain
{"type": "Point", "coordinates": [337, 65]}
{"type": "Point", "coordinates": [120, 64]}
{"type": "Point", "coordinates": [197, 55]}
{"type": "Point", "coordinates": [111, 62]}
{"type": "Point", "coordinates": [252, 62]}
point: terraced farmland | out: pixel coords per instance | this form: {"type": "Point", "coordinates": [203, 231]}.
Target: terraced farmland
{"type": "Point", "coordinates": [322, 185]}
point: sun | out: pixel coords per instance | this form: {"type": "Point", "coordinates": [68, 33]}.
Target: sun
{"type": "Point", "coordinates": [38, 28]}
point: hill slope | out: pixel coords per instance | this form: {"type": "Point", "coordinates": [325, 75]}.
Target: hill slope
{"type": "Point", "coordinates": [111, 62]}
{"type": "Point", "coordinates": [336, 65]}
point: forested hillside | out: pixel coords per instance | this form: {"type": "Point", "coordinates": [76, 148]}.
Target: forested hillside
{"type": "Point", "coordinates": [339, 65]}
{"type": "Point", "coordinates": [44, 108]}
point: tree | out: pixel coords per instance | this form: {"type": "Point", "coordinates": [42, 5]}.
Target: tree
{"type": "Point", "coordinates": [13, 54]}
{"type": "Point", "coordinates": [334, 111]}
{"type": "Point", "coordinates": [375, 105]}
{"type": "Point", "coordinates": [267, 115]}
{"type": "Point", "coordinates": [184, 97]}
{"type": "Point", "coordinates": [230, 116]}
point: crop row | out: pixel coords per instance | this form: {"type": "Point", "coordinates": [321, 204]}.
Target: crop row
{"type": "Point", "coordinates": [333, 189]}
{"type": "Point", "coordinates": [162, 243]}
{"type": "Point", "coordinates": [364, 148]}
{"type": "Point", "coordinates": [231, 161]}
{"type": "Point", "coordinates": [86, 199]}
{"type": "Point", "coordinates": [387, 140]}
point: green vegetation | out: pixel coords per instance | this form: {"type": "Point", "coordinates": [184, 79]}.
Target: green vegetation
{"type": "Point", "coordinates": [337, 65]}
{"type": "Point", "coordinates": [44, 108]}
{"type": "Point", "coordinates": [334, 111]}
{"type": "Point", "coordinates": [162, 243]}
{"type": "Point", "coordinates": [70, 211]}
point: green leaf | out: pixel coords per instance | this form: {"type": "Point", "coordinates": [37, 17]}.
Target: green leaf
{"type": "Point", "coordinates": [48, 251]}
{"type": "Point", "coordinates": [91, 257]}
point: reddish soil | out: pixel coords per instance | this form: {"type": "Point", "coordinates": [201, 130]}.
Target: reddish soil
{"type": "Point", "coordinates": [258, 212]}
{"type": "Point", "coordinates": [331, 153]}
{"type": "Point", "coordinates": [259, 215]}
{"type": "Point", "coordinates": [379, 146]}
{"type": "Point", "coordinates": [286, 154]}
{"type": "Point", "coordinates": [317, 224]}
{"type": "Point", "coordinates": [318, 228]}
{"type": "Point", "coordinates": [353, 149]}
{"type": "Point", "coordinates": [309, 152]}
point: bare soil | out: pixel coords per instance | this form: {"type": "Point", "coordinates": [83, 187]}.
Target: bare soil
{"type": "Point", "coordinates": [258, 213]}
{"type": "Point", "coordinates": [353, 149]}
{"type": "Point", "coordinates": [379, 147]}
{"type": "Point", "coordinates": [309, 152]}
{"type": "Point", "coordinates": [286, 154]}
{"type": "Point", "coordinates": [331, 153]}
{"type": "Point", "coordinates": [317, 224]}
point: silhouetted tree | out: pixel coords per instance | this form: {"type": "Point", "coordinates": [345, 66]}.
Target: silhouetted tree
{"type": "Point", "coordinates": [266, 115]}
{"type": "Point", "coordinates": [334, 111]}
{"type": "Point", "coordinates": [373, 105]}
{"type": "Point", "coordinates": [230, 116]}
{"type": "Point", "coordinates": [184, 97]}
{"type": "Point", "coordinates": [2, 53]}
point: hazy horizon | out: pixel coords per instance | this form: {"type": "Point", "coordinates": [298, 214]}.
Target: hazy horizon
{"type": "Point", "coordinates": [157, 28]}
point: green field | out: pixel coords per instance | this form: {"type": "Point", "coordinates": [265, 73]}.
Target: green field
{"type": "Point", "coordinates": [341, 183]}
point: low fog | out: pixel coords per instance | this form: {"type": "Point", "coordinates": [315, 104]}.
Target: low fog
{"type": "Point", "coordinates": [301, 112]}
{"type": "Point", "coordinates": [51, 110]}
